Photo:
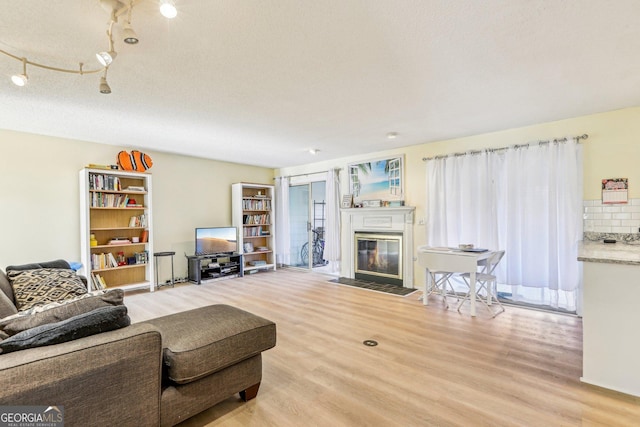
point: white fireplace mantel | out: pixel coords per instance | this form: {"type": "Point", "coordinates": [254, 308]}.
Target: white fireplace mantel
{"type": "Point", "coordinates": [384, 219]}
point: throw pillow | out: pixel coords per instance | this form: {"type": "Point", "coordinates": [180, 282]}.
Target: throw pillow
{"type": "Point", "coordinates": [44, 285]}
{"type": "Point", "coordinates": [100, 320]}
{"type": "Point", "coordinates": [58, 311]}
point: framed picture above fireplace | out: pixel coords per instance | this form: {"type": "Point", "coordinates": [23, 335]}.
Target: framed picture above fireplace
{"type": "Point", "coordinates": [380, 179]}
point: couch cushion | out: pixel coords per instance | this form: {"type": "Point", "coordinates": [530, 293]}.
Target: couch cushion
{"type": "Point", "coordinates": [58, 263]}
{"type": "Point", "coordinates": [205, 340]}
{"type": "Point", "coordinates": [44, 285]}
{"type": "Point", "coordinates": [101, 319]}
{"type": "Point", "coordinates": [62, 310]}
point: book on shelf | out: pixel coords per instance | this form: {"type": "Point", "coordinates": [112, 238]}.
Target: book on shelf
{"type": "Point", "coordinates": [98, 281]}
{"type": "Point", "coordinates": [104, 182]}
{"type": "Point", "coordinates": [135, 188]}
{"type": "Point", "coordinates": [263, 219]}
{"type": "Point", "coordinates": [102, 261]}
{"type": "Point", "coordinates": [108, 200]}
{"type": "Point", "coordinates": [138, 221]}
{"type": "Point", "coordinates": [109, 167]}
{"type": "Point", "coordinates": [119, 241]}
{"type": "Point", "coordinates": [112, 260]}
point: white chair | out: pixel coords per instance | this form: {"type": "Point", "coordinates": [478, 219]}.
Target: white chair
{"type": "Point", "coordinates": [437, 272]}
{"type": "Point", "coordinates": [485, 282]}
{"type": "Point", "coordinates": [440, 284]}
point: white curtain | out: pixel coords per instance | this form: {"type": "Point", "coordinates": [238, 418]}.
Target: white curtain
{"type": "Point", "coordinates": [332, 230]}
{"type": "Point", "coordinates": [283, 239]}
{"type": "Point", "coordinates": [527, 201]}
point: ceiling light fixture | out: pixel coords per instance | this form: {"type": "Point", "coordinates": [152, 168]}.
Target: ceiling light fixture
{"type": "Point", "coordinates": [106, 58]}
{"type": "Point", "coordinates": [128, 35]}
{"type": "Point", "coordinates": [104, 86]}
{"type": "Point", "coordinates": [21, 79]}
{"type": "Point", "coordinates": [392, 135]}
{"type": "Point", "coordinates": [168, 9]}
{"type": "Point", "coordinates": [116, 9]}
{"type": "Point", "coordinates": [314, 151]}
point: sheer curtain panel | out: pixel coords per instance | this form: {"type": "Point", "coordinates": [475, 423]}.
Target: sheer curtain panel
{"type": "Point", "coordinates": [283, 239]}
{"type": "Point", "coordinates": [527, 201]}
{"type": "Point", "coordinates": [332, 231]}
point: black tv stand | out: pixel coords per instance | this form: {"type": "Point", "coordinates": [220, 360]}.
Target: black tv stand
{"type": "Point", "coordinates": [204, 268]}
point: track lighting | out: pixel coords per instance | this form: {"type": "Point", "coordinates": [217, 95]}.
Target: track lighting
{"type": "Point", "coordinates": [21, 79]}
{"type": "Point", "coordinates": [117, 10]}
{"type": "Point", "coordinates": [168, 9]}
{"type": "Point", "coordinates": [106, 58]}
{"type": "Point", "coordinates": [129, 36]}
{"type": "Point", "coordinates": [104, 86]}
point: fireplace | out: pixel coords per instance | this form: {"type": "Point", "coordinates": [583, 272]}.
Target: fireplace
{"type": "Point", "coordinates": [378, 257]}
{"type": "Point", "coordinates": [383, 249]}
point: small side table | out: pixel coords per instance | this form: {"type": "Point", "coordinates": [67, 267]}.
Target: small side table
{"type": "Point", "coordinates": [160, 254]}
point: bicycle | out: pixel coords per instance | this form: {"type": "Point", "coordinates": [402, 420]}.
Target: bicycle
{"type": "Point", "coordinates": [318, 251]}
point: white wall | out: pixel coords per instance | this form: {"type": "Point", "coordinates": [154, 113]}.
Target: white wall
{"type": "Point", "coordinates": [39, 199]}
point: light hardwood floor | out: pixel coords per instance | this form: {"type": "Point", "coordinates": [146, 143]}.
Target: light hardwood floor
{"type": "Point", "coordinates": [432, 367]}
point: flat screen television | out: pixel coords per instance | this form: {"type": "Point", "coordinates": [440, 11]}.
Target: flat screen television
{"type": "Point", "coordinates": [216, 240]}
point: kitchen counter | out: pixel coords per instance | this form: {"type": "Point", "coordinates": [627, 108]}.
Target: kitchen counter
{"type": "Point", "coordinates": [613, 253]}
{"type": "Point", "coordinates": [610, 315]}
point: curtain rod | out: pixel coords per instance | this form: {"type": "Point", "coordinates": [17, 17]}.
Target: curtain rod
{"type": "Point", "coordinates": [303, 174]}
{"type": "Point", "coordinates": [490, 150]}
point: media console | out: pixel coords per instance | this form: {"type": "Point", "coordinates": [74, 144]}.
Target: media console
{"type": "Point", "coordinates": [203, 268]}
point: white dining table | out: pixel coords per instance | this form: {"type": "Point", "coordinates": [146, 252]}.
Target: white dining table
{"type": "Point", "coordinates": [452, 260]}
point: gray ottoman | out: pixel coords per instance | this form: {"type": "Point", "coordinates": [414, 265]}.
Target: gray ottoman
{"type": "Point", "coordinates": [209, 354]}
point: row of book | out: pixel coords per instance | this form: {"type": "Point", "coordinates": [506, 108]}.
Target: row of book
{"type": "Point", "coordinates": [102, 261]}
{"type": "Point", "coordinates": [98, 282]}
{"type": "Point", "coordinates": [256, 205]}
{"type": "Point", "coordinates": [256, 219]}
{"type": "Point", "coordinates": [108, 200]}
{"type": "Point", "coordinates": [104, 182]}
{"type": "Point", "coordinates": [139, 221]}
{"type": "Point", "coordinates": [256, 231]}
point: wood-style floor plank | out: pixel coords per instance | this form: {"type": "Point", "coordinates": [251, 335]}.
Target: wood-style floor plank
{"type": "Point", "coordinates": [432, 367]}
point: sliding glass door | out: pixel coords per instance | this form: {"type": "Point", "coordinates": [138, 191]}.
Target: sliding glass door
{"type": "Point", "coordinates": [299, 224]}
{"type": "Point", "coordinates": [307, 222]}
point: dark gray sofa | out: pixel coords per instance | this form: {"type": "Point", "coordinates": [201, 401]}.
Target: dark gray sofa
{"type": "Point", "coordinates": [158, 372]}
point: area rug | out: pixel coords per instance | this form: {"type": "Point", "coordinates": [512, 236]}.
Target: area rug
{"type": "Point", "coordinates": [380, 287]}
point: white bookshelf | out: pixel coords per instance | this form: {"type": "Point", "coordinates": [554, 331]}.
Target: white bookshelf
{"type": "Point", "coordinates": [106, 211]}
{"type": "Point", "coordinates": [253, 214]}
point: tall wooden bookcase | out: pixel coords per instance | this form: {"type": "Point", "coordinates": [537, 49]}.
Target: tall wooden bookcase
{"type": "Point", "coordinates": [253, 214]}
{"type": "Point", "coordinates": [115, 208]}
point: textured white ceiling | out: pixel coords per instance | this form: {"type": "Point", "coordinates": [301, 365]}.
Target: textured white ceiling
{"type": "Point", "coordinates": [261, 82]}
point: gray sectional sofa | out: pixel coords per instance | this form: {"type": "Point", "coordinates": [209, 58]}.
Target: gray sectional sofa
{"type": "Point", "coordinates": [158, 372]}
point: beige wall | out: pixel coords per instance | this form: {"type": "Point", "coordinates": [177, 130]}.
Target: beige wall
{"type": "Point", "coordinates": [39, 212]}
{"type": "Point", "coordinates": [611, 151]}
{"type": "Point", "coordinates": [39, 199]}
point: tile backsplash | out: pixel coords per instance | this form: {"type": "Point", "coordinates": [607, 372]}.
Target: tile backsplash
{"type": "Point", "coordinates": [611, 218]}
